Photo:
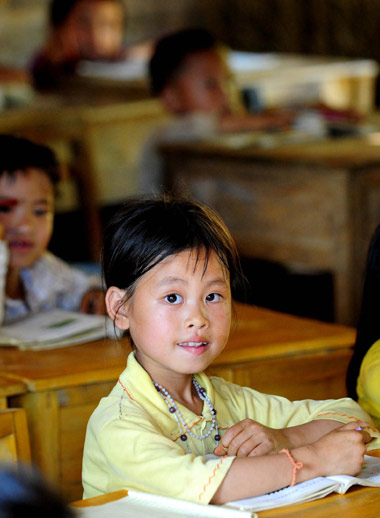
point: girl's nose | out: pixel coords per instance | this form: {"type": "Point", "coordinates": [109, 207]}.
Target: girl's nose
{"type": "Point", "coordinates": [197, 318]}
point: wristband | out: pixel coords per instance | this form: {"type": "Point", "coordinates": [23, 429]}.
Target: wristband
{"type": "Point", "coordinates": [296, 465]}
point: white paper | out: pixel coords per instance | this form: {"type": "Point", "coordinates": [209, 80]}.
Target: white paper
{"type": "Point", "coordinates": [140, 505]}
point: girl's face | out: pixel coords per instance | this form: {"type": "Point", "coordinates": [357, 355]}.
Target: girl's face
{"type": "Point", "coordinates": [179, 316]}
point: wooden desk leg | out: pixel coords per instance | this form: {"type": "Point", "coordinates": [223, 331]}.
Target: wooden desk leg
{"type": "Point", "coordinates": [3, 403]}
{"type": "Point", "coordinates": [42, 410]}
{"type": "Point", "coordinates": [84, 172]}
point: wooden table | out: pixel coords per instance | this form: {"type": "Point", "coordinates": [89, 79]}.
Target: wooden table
{"type": "Point", "coordinates": [272, 352]}
{"type": "Point", "coordinates": [312, 205]}
{"type": "Point", "coordinates": [356, 503]}
{"type": "Point", "coordinates": [9, 387]}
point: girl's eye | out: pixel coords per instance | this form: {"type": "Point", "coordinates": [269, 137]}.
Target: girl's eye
{"type": "Point", "coordinates": [173, 298]}
{"type": "Point", "coordinates": [213, 297]}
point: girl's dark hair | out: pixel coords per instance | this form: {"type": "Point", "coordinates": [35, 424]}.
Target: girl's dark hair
{"type": "Point", "coordinates": [60, 10]}
{"type": "Point", "coordinates": [146, 231]}
{"type": "Point", "coordinates": [19, 154]}
{"type": "Point", "coordinates": [368, 330]}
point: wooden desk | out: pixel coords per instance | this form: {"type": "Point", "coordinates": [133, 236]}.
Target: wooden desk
{"type": "Point", "coordinates": [272, 352]}
{"type": "Point", "coordinates": [9, 387]}
{"type": "Point", "coordinates": [357, 502]}
{"type": "Point", "coordinates": [312, 204]}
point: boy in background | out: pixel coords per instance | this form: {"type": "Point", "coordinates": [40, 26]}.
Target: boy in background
{"type": "Point", "coordinates": [82, 30]}
{"type": "Point", "coordinates": [189, 75]}
{"type": "Point", "coordinates": [36, 280]}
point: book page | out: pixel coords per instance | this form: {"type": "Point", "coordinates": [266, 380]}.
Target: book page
{"type": "Point", "coordinates": [52, 327]}
{"type": "Point", "coordinates": [314, 488]}
{"type": "Point", "coordinates": [303, 492]}
{"type": "Point", "coordinates": [370, 476]}
{"type": "Point", "coordinates": [142, 505]}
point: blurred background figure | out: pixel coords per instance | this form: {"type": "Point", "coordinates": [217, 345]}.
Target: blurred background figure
{"type": "Point", "coordinates": [82, 30]}
{"type": "Point", "coordinates": [24, 494]}
{"type": "Point", "coordinates": [189, 73]}
{"type": "Point", "coordinates": [363, 375]}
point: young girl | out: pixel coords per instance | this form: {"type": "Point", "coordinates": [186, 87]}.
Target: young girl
{"type": "Point", "coordinates": [169, 266]}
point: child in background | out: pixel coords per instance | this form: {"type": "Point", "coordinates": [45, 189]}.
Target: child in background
{"type": "Point", "coordinates": [25, 494]}
{"type": "Point", "coordinates": [36, 280]}
{"type": "Point", "coordinates": [170, 266]}
{"type": "Point", "coordinates": [82, 30]}
{"type": "Point", "coordinates": [363, 376]}
{"type": "Point", "coordinates": [189, 74]}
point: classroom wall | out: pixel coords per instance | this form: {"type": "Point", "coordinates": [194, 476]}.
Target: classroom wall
{"type": "Point", "coordinates": [327, 27]}
{"type": "Point", "coordinates": [307, 26]}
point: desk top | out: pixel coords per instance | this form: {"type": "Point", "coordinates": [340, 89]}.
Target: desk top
{"type": "Point", "coordinates": [286, 147]}
{"type": "Point", "coordinates": [257, 334]}
{"type": "Point", "coordinates": [357, 502]}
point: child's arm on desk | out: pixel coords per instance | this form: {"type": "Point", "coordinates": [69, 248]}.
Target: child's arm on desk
{"type": "Point", "coordinates": [250, 438]}
{"type": "Point", "coordinates": [339, 451]}
{"type": "Point", "coordinates": [256, 122]}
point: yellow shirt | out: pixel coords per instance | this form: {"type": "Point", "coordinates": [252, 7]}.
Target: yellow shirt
{"type": "Point", "coordinates": [133, 441]}
{"type": "Point", "coordinates": [368, 387]}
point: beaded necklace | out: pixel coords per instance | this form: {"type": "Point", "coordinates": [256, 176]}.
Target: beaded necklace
{"type": "Point", "coordinates": [182, 425]}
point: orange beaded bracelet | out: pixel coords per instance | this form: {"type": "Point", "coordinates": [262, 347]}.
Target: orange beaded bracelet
{"type": "Point", "coordinates": [296, 465]}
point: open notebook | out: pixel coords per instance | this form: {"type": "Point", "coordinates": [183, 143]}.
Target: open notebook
{"type": "Point", "coordinates": [55, 328]}
{"type": "Point", "coordinates": [313, 489]}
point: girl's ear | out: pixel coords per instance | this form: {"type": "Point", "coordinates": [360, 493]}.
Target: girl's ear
{"type": "Point", "coordinates": [116, 308]}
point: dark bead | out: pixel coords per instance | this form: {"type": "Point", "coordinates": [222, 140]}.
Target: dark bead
{"type": "Point", "coordinates": [217, 437]}
{"type": "Point", "coordinates": [158, 388]}
{"type": "Point", "coordinates": [213, 411]}
{"type": "Point", "coordinates": [172, 409]}
{"type": "Point", "coordinates": [184, 437]}
{"type": "Point", "coordinates": [202, 391]}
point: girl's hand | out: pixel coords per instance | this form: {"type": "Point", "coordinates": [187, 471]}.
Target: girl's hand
{"type": "Point", "coordinates": [341, 451]}
{"type": "Point", "coordinates": [249, 438]}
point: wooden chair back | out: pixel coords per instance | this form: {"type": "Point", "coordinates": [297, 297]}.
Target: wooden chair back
{"type": "Point", "coordinates": [14, 436]}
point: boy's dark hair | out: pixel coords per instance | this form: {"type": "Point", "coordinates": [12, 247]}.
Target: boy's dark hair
{"type": "Point", "coordinates": [368, 330]}
{"type": "Point", "coordinates": [24, 493]}
{"type": "Point", "coordinates": [171, 52]}
{"type": "Point", "coordinates": [19, 154]}
{"type": "Point", "coordinates": [60, 10]}
{"type": "Point", "coordinates": [147, 230]}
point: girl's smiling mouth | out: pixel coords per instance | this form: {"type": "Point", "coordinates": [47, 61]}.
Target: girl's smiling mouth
{"type": "Point", "coordinates": [192, 344]}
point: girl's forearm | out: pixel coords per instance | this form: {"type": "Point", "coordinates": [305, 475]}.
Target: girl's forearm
{"type": "Point", "coordinates": [309, 432]}
{"type": "Point", "coordinates": [253, 476]}
{"type": "Point", "coordinates": [341, 451]}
